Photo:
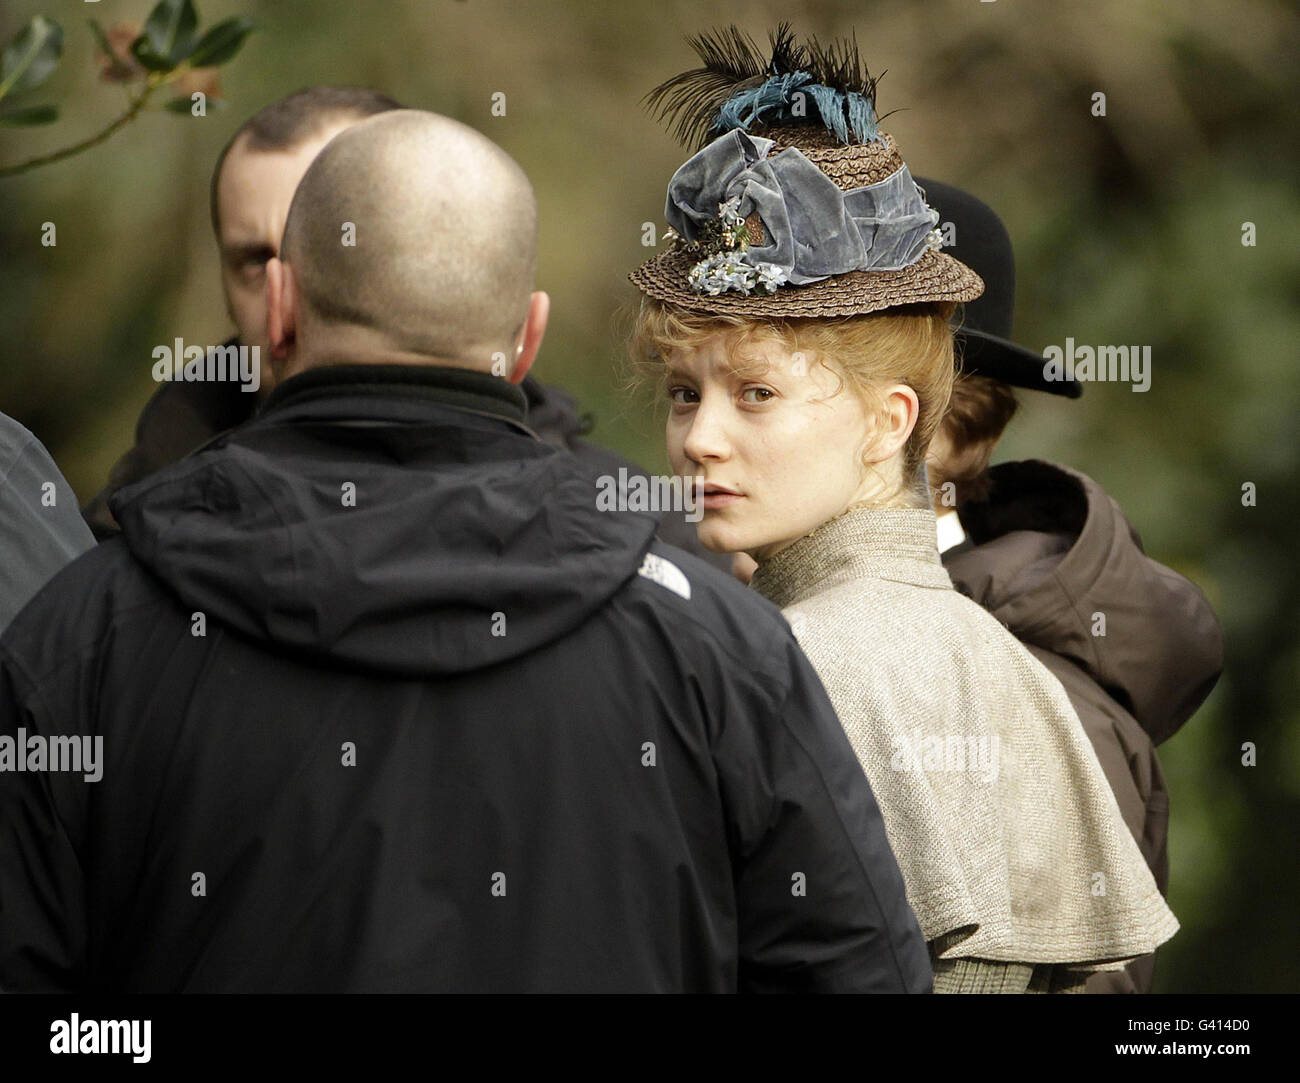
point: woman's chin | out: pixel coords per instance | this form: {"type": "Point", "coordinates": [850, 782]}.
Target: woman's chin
{"type": "Point", "coordinates": [721, 538]}
{"type": "Point", "coordinates": [715, 537]}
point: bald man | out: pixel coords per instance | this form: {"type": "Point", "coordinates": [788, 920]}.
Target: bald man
{"type": "Point", "coordinates": [434, 269]}
{"type": "Point", "coordinates": [252, 186]}
{"type": "Point", "coordinates": [371, 695]}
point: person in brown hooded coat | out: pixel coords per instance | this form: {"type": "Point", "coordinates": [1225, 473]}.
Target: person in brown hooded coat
{"type": "Point", "coordinates": [1043, 548]}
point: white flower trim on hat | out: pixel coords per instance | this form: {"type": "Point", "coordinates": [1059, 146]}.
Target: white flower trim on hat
{"type": "Point", "coordinates": [725, 271]}
{"type": "Point", "coordinates": [729, 269]}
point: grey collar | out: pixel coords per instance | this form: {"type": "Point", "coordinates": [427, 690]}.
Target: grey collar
{"type": "Point", "coordinates": [897, 544]}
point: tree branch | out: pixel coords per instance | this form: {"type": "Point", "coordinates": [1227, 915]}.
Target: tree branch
{"type": "Point", "coordinates": [67, 152]}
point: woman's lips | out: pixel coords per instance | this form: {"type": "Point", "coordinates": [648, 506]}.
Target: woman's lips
{"type": "Point", "coordinates": [716, 501]}
{"type": "Point", "coordinates": [715, 497]}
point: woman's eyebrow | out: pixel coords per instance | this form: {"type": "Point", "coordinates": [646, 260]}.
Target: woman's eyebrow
{"type": "Point", "coordinates": [741, 368]}
{"type": "Point", "coordinates": [749, 368]}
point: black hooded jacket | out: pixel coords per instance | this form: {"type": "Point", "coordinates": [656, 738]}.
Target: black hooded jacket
{"type": "Point", "coordinates": [181, 417]}
{"type": "Point", "coordinates": [1136, 646]}
{"type": "Point", "coordinates": [388, 704]}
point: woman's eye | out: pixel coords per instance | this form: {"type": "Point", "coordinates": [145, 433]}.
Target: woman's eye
{"type": "Point", "coordinates": [756, 395]}
{"type": "Point", "coordinates": [682, 396]}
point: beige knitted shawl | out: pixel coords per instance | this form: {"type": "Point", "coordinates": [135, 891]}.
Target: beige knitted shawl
{"type": "Point", "coordinates": [1010, 841]}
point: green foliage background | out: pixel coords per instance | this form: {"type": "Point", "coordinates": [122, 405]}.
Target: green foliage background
{"type": "Point", "coordinates": [1128, 230]}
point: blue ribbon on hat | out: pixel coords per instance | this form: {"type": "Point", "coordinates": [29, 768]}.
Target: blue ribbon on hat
{"type": "Point", "coordinates": [813, 228]}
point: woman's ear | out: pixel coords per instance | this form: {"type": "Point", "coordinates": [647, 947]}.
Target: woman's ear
{"type": "Point", "coordinates": [897, 417]}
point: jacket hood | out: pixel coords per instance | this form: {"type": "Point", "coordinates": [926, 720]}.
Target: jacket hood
{"type": "Point", "coordinates": [395, 519]}
{"type": "Point", "coordinates": [553, 413]}
{"type": "Point", "coordinates": [1053, 555]}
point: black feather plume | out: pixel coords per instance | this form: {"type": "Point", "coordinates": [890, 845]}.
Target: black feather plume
{"type": "Point", "coordinates": [738, 75]}
{"type": "Point", "coordinates": [787, 54]}
{"type": "Point", "coordinates": [838, 65]}
{"type": "Point", "coordinates": [688, 102]}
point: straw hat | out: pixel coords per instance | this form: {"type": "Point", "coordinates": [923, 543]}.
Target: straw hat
{"type": "Point", "coordinates": [796, 203]}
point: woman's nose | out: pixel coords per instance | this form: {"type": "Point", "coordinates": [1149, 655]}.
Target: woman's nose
{"type": "Point", "coordinates": [706, 440]}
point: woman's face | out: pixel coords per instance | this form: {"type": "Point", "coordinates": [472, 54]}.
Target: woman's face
{"type": "Point", "coordinates": [775, 453]}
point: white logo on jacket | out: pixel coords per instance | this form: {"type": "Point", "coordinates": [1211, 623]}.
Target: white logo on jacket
{"type": "Point", "coordinates": [666, 574]}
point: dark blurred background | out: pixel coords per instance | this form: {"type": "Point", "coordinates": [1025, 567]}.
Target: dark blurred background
{"type": "Point", "coordinates": [1128, 230]}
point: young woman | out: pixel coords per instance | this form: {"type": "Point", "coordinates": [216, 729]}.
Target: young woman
{"type": "Point", "coordinates": [800, 326]}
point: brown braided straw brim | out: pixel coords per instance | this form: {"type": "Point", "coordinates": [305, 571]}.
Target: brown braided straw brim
{"type": "Point", "coordinates": [934, 277]}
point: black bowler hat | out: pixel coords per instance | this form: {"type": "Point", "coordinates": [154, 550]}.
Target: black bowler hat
{"type": "Point", "coordinates": [982, 243]}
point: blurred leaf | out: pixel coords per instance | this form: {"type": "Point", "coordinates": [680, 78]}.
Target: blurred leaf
{"type": "Point", "coordinates": [147, 57]}
{"type": "Point", "coordinates": [222, 42]}
{"type": "Point", "coordinates": [31, 115]}
{"type": "Point", "coordinates": [31, 56]}
{"type": "Point", "coordinates": [170, 30]}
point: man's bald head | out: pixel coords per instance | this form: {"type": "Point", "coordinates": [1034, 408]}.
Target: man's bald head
{"type": "Point", "coordinates": [445, 228]}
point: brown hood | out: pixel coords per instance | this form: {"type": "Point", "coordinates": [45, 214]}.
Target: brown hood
{"type": "Point", "coordinates": [1051, 549]}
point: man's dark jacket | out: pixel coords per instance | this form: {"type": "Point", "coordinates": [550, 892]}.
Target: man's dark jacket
{"type": "Point", "coordinates": [181, 417]}
{"type": "Point", "coordinates": [423, 718]}
{"type": "Point", "coordinates": [40, 530]}
{"type": "Point", "coordinates": [1048, 554]}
